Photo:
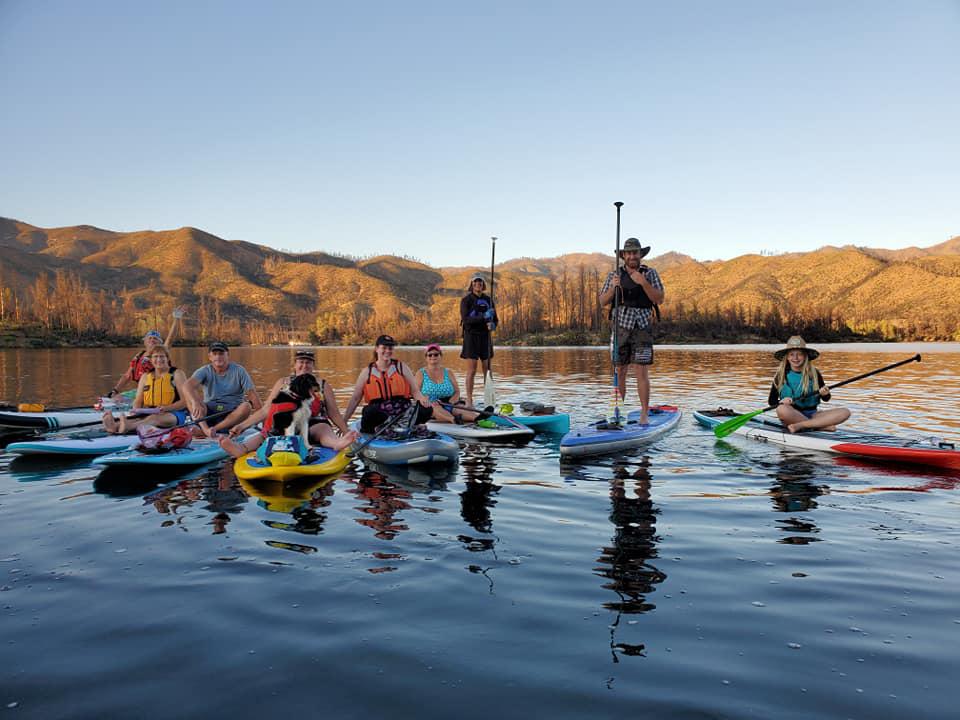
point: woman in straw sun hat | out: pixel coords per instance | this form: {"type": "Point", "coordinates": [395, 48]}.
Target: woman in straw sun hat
{"type": "Point", "coordinates": [798, 388]}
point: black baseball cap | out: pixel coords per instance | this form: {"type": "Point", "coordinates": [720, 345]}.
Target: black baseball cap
{"type": "Point", "coordinates": [386, 340]}
{"type": "Point", "coordinates": [218, 346]}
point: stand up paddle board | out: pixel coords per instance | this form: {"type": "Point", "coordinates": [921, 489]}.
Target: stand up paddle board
{"type": "Point", "coordinates": [604, 437]}
{"type": "Point", "coordinates": [413, 450]}
{"type": "Point", "coordinates": [75, 446]}
{"type": "Point", "coordinates": [890, 448]}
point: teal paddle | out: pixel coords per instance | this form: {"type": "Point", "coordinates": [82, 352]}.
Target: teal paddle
{"type": "Point", "coordinates": [731, 425]}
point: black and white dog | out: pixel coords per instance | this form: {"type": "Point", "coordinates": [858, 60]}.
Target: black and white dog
{"type": "Point", "coordinates": [290, 410]}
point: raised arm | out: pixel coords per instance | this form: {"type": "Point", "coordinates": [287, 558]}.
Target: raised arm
{"type": "Point", "coordinates": [177, 316]}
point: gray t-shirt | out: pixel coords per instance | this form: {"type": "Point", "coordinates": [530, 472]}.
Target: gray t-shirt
{"type": "Point", "coordinates": [228, 388]}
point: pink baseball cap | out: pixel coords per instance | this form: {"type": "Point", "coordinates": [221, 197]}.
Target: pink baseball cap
{"type": "Point", "coordinates": [433, 346]}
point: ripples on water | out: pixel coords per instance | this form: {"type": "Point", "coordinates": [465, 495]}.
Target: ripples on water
{"type": "Point", "coordinates": [694, 578]}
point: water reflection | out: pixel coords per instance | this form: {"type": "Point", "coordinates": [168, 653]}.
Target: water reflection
{"type": "Point", "coordinates": [626, 562]}
{"type": "Point", "coordinates": [479, 496]}
{"type": "Point", "coordinates": [216, 487]}
{"type": "Point", "coordinates": [121, 482]}
{"type": "Point", "coordinates": [382, 501]}
{"type": "Point", "coordinates": [794, 490]}
{"type": "Point", "coordinates": [303, 499]}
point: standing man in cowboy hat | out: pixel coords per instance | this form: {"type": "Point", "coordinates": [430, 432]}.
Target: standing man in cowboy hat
{"type": "Point", "coordinates": [639, 293]}
{"type": "Point", "coordinates": [478, 317]}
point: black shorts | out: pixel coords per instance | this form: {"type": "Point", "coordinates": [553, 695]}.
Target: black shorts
{"type": "Point", "coordinates": [375, 414]}
{"type": "Point", "coordinates": [477, 346]}
{"type": "Point", "coordinates": [218, 407]}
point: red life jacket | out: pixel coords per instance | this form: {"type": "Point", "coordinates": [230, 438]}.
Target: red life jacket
{"type": "Point", "coordinates": [140, 365]}
{"type": "Point", "coordinates": [275, 408]}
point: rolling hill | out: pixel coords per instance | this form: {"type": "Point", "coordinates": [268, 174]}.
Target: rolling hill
{"type": "Point", "coordinates": [915, 289]}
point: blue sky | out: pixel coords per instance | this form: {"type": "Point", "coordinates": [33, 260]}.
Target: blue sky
{"type": "Point", "coordinates": [423, 128]}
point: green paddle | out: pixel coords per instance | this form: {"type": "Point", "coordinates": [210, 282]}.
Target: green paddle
{"type": "Point", "coordinates": [731, 425]}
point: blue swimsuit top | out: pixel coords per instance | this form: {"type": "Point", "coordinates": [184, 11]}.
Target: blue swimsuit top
{"type": "Point", "coordinates": [436, 391]}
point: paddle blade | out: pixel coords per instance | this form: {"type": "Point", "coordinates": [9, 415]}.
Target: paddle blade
{"type": "Point", "coordinates": [731, 425]}
{"type": "Point", "coordinates": [489, 391]}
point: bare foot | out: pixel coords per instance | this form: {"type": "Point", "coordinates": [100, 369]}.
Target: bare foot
{"type": "Point", "coordinates": [830, 428]}
{"type": "Point", "coordinates": [122, 427]}
{"type": "Point", "coordinates": [109, 423]}
{"type": "Point", "coordinates": [232, 449]}
{"type": "Point", "coordinates": [644, 420]}
{"type": "Point", "coordinates": [794, 427]}
{"type": "Point", "coordinates": [345, 441]}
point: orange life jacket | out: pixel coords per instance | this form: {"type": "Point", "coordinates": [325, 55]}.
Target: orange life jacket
{"type": "Point", "coordinates": [386, 386]}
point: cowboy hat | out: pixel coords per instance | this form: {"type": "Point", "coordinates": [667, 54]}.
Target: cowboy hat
{"type": "Point", "coordinates": [632, 244]}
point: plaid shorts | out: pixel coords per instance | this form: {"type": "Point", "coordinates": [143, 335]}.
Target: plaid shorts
{"type": "Point", "coordinates": [634, 347]}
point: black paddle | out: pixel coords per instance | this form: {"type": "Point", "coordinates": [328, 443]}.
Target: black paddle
{"type": "Point", "coordinates": [729, 426]}
{"type": "Point", "coordinates": [613, 317]}
{"type": "Point", "coordinates": [161, 431]}
{"type": "Point", "coordinates": [355, 449]}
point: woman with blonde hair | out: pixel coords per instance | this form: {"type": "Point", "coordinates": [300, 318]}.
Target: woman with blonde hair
{"type": "Point", "coordinates": [798, 388]}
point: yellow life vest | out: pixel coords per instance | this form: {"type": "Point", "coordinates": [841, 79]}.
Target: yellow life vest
{"type": "Point", "coordinates": [158, 391]}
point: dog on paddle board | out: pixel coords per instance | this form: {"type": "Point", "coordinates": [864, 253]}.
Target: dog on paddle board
{"type": "Point", "coordinates": [290, 410]}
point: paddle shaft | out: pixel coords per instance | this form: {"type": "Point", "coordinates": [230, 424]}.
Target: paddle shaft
{"type": "Point", "coordinates": [915, 358]}
{"type": "Point", "coordinates": [493, 255]}
{"type": "Point", "coordinates": [616, 325]}
{"type": "Point", "coordinates": [450, 407]}
{"type": "Point", "coordinates": [205, 418]}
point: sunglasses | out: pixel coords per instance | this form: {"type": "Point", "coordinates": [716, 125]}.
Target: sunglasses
{"type": "Point", "coordinates": [433, 354]}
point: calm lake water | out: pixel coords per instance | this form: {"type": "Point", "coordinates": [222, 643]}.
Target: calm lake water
{"type": "Point", "coordinates": [694, 578]}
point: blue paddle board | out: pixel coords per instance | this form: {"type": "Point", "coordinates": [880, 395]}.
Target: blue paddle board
{"type": "Point", "coordinates": [605, 436]}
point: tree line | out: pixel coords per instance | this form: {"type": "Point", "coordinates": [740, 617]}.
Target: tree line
{"type": "Point", "coordinates": [561, 309]}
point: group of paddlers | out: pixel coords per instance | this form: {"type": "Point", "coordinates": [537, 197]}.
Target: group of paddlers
{"type": "Point", "coordinates": [221, 400]}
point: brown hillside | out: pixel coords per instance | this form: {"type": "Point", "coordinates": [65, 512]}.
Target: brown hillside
{"type": "Point", "coordinates": [346, 297]}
